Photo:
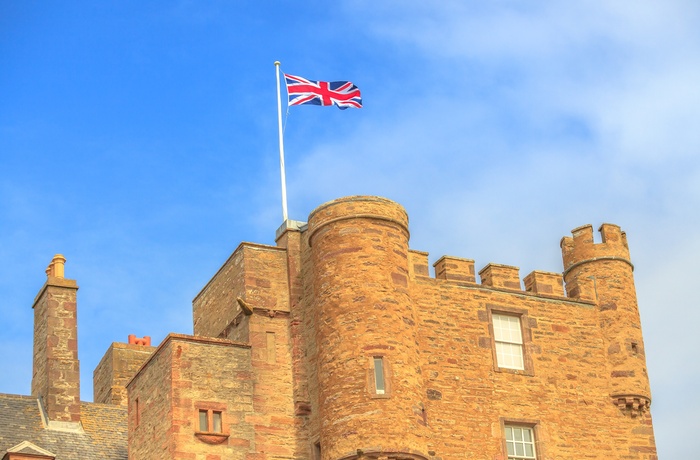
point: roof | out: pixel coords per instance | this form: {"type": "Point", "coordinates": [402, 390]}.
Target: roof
{"type": "Point", "coordinates": [103, 435]}
{"type": "Point", "coordinates": [27, 448]}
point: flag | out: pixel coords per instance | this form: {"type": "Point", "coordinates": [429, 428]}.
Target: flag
{"type": "Point", "coordinates": [301, 91]}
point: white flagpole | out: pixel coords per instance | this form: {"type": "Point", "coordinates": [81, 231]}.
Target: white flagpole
{"type": "Point", "coordinates": [279, 120]}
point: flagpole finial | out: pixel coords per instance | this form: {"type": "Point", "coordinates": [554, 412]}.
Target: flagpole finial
{"type": "Point", "coordinates": [277, 63]}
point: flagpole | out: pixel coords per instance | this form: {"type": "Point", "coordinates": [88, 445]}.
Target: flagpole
{"type": "Point", "coordinates": [279, 120]}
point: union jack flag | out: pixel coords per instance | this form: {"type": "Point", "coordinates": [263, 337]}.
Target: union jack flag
{"type": "Point", "coordinates": [301, 91]}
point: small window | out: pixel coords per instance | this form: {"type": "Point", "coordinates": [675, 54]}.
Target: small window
{"type": "Point", "coordinates": [317, 450]}
{"type": "Point", "coordinates": [271, 355]}
{"type": "Point", "coordinates": [210, 421]}
{"type": "Point", "coordinates": [508, 338]}
{"type": "Point", "coordinates": [520, 442]}
{"type": "Point", "coordinates": [137, 412]}
{"type": "Point", "coordinates": [379, 382]}
{"type": "Point", "coordinates": [216, 418]}
{"type": "Point", "coordinates": [204, 420]}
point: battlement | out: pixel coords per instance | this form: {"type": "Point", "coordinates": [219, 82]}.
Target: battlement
{"type": "Point", "coordinates": [580, 247]}
{"type": "Point", "coordinates": [454, 269]}
{"type": "Point", "coordinates": [547, 283]}
{"type": "Point", "coordinates": [499, 276]}
{"type": "Point", "coordinates": [577, 249]}
{"type": "Point", "coordinates": [340, 343]}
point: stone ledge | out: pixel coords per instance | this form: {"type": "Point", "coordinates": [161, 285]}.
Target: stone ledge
{"type": "Point", "coordinates": [211, 438]}
{"type": "Point", "coordinates": [632, 405]}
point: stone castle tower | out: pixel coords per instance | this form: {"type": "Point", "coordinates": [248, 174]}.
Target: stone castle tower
{"type": "Point", "coordinates": [603, 273]}
{"type": "Point", "coordinates": [337, 344]}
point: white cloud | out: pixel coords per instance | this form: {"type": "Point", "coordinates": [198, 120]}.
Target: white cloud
{"type": "Point", "coordinates": [498, 125]}
{"type": "Point", "coordinates": [604, 102]}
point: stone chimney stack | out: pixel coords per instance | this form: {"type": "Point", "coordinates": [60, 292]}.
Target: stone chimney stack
{"type": "Point", "coordinates": [56, 376]}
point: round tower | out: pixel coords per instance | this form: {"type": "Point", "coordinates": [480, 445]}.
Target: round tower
{"type": "Point", "coordinates": [370, 382]}
{"type": "Point", "coordinates": [603, 273]}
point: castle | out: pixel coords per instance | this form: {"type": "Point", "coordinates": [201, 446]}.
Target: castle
{"type": "Point", "coordinates": [337, 344]}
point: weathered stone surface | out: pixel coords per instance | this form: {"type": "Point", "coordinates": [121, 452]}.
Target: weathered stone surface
{"type": "Point", "coordinates": [336, 344]}
{"type": "Point", "coordinates": [56, 370]}
{"type": "Point", "coordinates": [119, 365]}
{"type": "Point", "coordinates": [186, 374]}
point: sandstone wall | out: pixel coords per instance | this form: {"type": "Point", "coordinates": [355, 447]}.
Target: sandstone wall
{"type": "Point", "coordinates": [257, 275]}
{"type": "Point", "coordinates": [119, 365]}
{"type": "Point", "coordinates": [565, 393]}
{"type": "Point", "coordinates": [151, 408]}
{"type": "Point", "coordinates": [318, 308]}
{"type": "Point", "coordinates": [187, 374]}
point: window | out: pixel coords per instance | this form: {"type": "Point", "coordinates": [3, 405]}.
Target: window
{"type": "Point", "coordinates": [379, 383]}
{"type": "Point", "coordinates": [508, 337]}
{"type": "Point", "coordinates": [137, 412]}
{"type": "Point", "coordinates": [520, 442]}
{"type": "Point", "coordinates": [378, 377]}
{"type": "Point", "coordinates": [317, 450]}
{"type": "Point", "coordinates": [210, 421]}
{"type": "Point", "coordinates": [270, 340]}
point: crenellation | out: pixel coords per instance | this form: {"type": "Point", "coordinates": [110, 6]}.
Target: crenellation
{"type": "Point", "coordinates": [336, 344]}
{"type": "Point", "coordinates": [418, 263]}
{"type": "Point", "coordinates": [612, 235]}
{"type": "Point", "coordinates": [455, 269]}
{"type": "Point", "coordinates": [500, 276]}
{"type": "Point", "coordinates": [547, 283]}
{"type": "Point", "coordinates": [581, 248]}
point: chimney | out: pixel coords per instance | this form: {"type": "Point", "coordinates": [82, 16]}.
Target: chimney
{"type": "Point", "coordinates": [56, 375]}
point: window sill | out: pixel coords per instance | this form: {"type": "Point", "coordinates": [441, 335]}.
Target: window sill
{"type": "Point", "coordinates": [211, 438]}
{"type": "Point", "coordinates": [508, 370]}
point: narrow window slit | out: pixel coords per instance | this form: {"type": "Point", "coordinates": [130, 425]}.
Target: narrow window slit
{"type": "Point", "coordinates": [379, 384]}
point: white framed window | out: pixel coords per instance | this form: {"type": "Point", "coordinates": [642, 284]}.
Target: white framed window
{"type": "Point", "coordinates": [379, 382]}
{"type": "Point", "coordinates": [508, 338]}
{"type": "Point", "coordinates": [378, 376]}
{"type": "Point", "coordinates": [520, 442]}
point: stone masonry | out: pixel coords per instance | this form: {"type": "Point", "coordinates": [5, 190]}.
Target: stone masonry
{"type": "Point", "coordinates": [117, 367]}
{"type": "Point", "coordinates": [343, 294]}
{"type": "Point", "coordinates": [338, 344]}
{"type": "Point", "coordinates": [56, 374]}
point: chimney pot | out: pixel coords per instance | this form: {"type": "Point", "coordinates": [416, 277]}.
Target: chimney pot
{"type": "Point", "coordinates": [57, 266]}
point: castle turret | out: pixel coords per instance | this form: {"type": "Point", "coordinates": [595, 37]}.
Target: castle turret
{"type": "Point", "coordinates": [602, 273]}
{"type": "Point", "coordinates": [56, 375]}
{"type": "Point", "coordinates": [369, 375]}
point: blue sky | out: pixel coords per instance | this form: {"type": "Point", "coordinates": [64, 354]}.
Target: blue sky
{"type": "Point", "coordinates": [139, 139]}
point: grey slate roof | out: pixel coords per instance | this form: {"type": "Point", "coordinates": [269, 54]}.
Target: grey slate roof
{"type": "Point", "coordinates": [104, 434]}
